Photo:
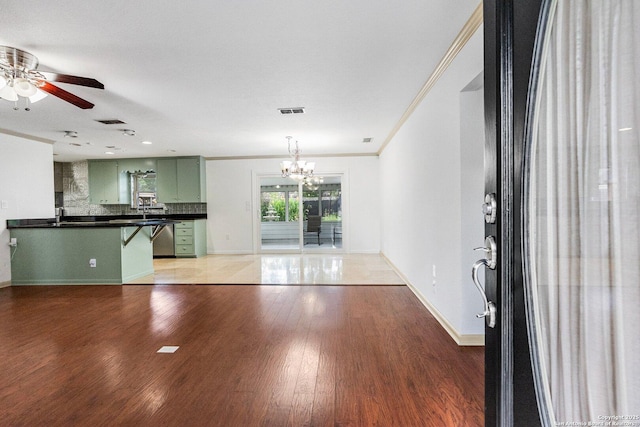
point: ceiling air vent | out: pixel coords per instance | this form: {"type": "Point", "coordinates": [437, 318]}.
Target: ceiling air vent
{"type": "Point", "coordinates": [367, 140]}
{"type": "Point", "coordinates": [295, 110]}
{"type": "Point", "coordinates": [111, 122]}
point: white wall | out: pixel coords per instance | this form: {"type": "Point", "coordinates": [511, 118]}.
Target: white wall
{"type": "Point", "coordinates": [231, 208]}
{"type": "Point", "coordinates": [471, 200]}
{"type": "Point", "coordinates": [26, 188]}
{"type": "Point", "coordinates": [421, 172]}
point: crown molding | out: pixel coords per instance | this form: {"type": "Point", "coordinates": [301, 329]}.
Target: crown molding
{"type": "Point", "coordinates": [465, 34]}
{"type": "Point", "coordinates": [284, 156]}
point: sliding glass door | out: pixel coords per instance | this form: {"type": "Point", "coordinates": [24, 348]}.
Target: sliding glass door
{"type": "Point", "coordinates": [300, 215]}
{"type": "Point", "coordinates": [279, 214]}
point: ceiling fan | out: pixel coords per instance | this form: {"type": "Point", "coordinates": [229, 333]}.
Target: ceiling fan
{"type": "Point", "coordinates": [19, 77]}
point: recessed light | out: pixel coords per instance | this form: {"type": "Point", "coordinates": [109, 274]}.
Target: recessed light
{"type": "Point", "coordinates": [109, 146]}
{"type": "Point", "coordinates": [171, 151]}
{"type": "Point", "coordinates": [624, 129]}
{"type": "Point", "coordinates": [109, 152]}
{"type": "Point", "coordinates": [128, 132]}
{"type": "Point", "coordinates": [70, 134]}
{"type": "Point", "coordinates": [147, 142]}
{"type": "Point", "coordinates": [75, 144]}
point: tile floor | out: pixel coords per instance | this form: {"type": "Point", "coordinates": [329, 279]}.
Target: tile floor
{"type": "Point", "coordinates": [280, 269]}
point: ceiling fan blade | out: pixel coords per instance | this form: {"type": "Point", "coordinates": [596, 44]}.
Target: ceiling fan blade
{"type": "Point", "coordinates": [74, 80]}
{"type": "Point", "coordinates": [67, 96]}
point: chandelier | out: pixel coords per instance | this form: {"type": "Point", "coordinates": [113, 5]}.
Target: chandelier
{"type": "Point", "coordinates": [296, 168]}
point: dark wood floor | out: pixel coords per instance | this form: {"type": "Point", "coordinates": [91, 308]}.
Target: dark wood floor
{"type": "Point", "coordinates": [248, 356]}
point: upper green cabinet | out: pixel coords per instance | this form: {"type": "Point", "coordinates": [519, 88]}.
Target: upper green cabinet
{"type": "Point", "coordinates": [167, 181]}
{"type": "Point", "coordinates": [178, 179]}
{"type": "Point", "coordinates": [181, 180]}
{"type": "Point", "coordinates": [103, 182]}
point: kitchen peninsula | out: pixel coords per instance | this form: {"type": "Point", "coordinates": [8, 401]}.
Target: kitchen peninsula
{"type": "Point", "coordinates": [82, 252]}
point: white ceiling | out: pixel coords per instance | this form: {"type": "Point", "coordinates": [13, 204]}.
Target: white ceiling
{"type": "Point", "coordinates": [207, 77]}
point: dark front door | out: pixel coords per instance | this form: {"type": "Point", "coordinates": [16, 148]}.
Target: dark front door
{"type": "Point", "coordinates": [510, 34]}
{"type": "Point", "coordinates": [562, 162]}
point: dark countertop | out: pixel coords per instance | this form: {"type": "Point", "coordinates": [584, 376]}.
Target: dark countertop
{"type": "Point", "coordinates": [102, 221]}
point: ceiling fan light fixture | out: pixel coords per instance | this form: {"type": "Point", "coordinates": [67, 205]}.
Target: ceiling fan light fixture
{"type": "Point", "coordinates": [24, 87]}
{"type": "Point", "coordinates": [18, 71]}
{"type": "Point", "coordinates": [39, 95]}
{"type": "Point", "coordinates": [8, 93]}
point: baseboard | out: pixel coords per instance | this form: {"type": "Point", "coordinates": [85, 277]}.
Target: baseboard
{"type": "Point", "coordinates": [65, 283]}
{"type": "Point", "coordinates": [460, 339]}
{"type": "Point", "coordinates": [5, 284]}
{"type": "Point", "coordinates": [241, 252]}
{"type": "Point", "coordinates": [136, 276]}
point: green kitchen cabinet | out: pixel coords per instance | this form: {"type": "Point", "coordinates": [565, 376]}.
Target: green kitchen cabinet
{"type": "Point", "coordinates": [56, 255]}
{"type": "Point", "coordinates": [181, 180]}
{"type": "Point", "coordinates": [103, 182]}
{"type": "Point", "coordinates": [190, 238]}
{"type": "Point", "coordinates": [167, 180]}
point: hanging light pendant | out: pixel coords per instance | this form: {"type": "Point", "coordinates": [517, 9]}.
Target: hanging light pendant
{"type": "Point", "coordinates": [296, 168]}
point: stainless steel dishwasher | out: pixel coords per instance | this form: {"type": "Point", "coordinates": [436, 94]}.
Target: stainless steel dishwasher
{"type": "Point", "coordinates": [164, 245]}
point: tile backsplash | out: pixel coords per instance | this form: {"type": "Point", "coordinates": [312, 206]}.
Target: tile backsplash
{"type": "Point", "coordinates": [75, 181]}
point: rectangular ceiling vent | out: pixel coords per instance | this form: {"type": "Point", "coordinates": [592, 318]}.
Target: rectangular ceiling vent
{"type": "Point", "coordinates": [295, 110]}
{"type": "Point", "coordinates": [367, 140]}
{"type": "Point", "coordinates": [111, 122]}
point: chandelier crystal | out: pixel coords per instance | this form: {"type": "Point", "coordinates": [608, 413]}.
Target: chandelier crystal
{"type": "Point", "coordinates": [296, 168]}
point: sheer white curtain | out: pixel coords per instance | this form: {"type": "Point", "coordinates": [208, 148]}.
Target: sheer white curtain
{"type": "Point", "coordinates": [585, 211]}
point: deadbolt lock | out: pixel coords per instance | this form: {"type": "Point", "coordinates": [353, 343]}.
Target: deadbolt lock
{"type": "Point", "coordinates": [490, 208]}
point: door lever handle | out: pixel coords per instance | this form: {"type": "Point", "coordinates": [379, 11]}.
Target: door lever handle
{"type": "Point", "coordinates": [489, 312]}
{"type": "Point", "coordinates": [490, 248]}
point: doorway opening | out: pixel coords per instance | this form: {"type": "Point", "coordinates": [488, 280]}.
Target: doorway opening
{"type": "Point", "coordinates": [298, 216]}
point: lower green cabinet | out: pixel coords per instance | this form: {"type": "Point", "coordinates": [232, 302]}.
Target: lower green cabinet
{"type": "Point", "coordinates": [191, 238]}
